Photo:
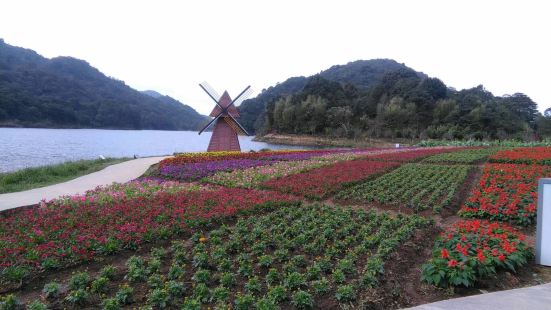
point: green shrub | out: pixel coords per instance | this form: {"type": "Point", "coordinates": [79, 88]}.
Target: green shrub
{"type": "Point", "coordinates": [136, 269]}
{"type": "Point", "coordinates": [79, 281]}
{"type": "Point", "coordinates": [253, 285]}
{"type": "Point", "coordinates": [244, 302]}
{"type": "Point", "coordinates": [321, 287]}
{"type": "Point", "coordinates": [36, 305]}
{"type": "Point", "coordinates": [220, 294]}
{"type": "Point", "coordinates": [175, 289]}
{"type": "Point", "coordinates": [51, 290]}
{"type": "Point", "coordinates": [124, 294]}
{"type": "Point", "coordinates": [277, 293]}
{"type": "Point", "coordinates": [110, 304]}
{"type": "Point", "coordinates": [345, 293]}
{"type": "Point", "coordinates": [227, 279]}
{"type": "Point", "coordinates": [99, 285]}
{"type": "Point", "coordinates": [77, 297]}
{"type": "Point", "coordinates": [15, 274]}
{"type": "Point", "coordinates": [302, 300]}
{"type": "Point", "coordinates": [10, 302]}
{"type": "Point", "coordinates": [108, 272]}
{"type": "Point", "coordinates": [158, 298]}
{"type": "Point", "coordinates": [294, 281]}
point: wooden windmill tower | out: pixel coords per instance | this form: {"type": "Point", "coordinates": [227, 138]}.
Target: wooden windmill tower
{"type": "Point", "coordinates": [226, 127]}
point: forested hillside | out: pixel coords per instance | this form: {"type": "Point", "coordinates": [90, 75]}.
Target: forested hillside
{"type": "Point", "coordinates": [397, 103]}
{"type": "Point", "coordinates": [65, 92]}
{"type": "Point", "coordinates": [361, 73]}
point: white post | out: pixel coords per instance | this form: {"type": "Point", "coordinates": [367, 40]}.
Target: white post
{"type": "Point", "coordinates": [397, 145]}
{"type": "Point", "coordinates": [543, 235]}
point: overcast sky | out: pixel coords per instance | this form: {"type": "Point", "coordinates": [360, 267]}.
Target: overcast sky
{"type": "Point", "coordinates": [171, 46]}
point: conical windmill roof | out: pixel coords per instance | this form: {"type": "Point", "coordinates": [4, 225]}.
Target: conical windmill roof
{"type": "Point", "coordinates": [224, 101]}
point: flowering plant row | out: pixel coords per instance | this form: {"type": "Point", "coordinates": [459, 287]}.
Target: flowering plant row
{"type": "Point", "coordinates": [185, 158]}
{"type": "Point", "coordinates": [321, 182]}
{"type": "Point", "coordinates": [293, 257]}
{"type": "Point", "coordinates": [524, 155]}
{"type": "Point", "coordinates": [254, 177]}
{"type": "Point", "coordinates": [59, 234]}
{"type": "Point", "coordinates": [117, 192]}
{"type": "Point", "coordinates": [420, 186]}
{"type": "Point", "coordinates": [412, 155]}
{"type": "Point", "coordinates": [506, 192]}
{"type": "Point", "coordinates": [473, 250]}
{"type": "Point", "coordinates": [194, 166]}
{"type": "Point", "coordinates": [468, 156]}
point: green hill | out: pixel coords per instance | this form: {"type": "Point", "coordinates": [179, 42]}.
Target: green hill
{"type": "Point", "coordinates": [65, 92]}
{"type": "Point", "coordinates": [382, 98]}
{"type": "Point", "coordinates": [361, 73]}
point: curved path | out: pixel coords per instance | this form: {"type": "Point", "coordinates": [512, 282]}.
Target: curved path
{"type": "Point", "coordinates": [123, 172]}
{"type": "Point", "coordinates": [529, 298]}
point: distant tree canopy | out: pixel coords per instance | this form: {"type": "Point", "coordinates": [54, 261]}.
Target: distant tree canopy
{"type": "Point", "coordinates": [69, 93]}
{"type": "Point", "coordinates": [404, 105]}
{"type": "Point", "coordinates": [383, 98]}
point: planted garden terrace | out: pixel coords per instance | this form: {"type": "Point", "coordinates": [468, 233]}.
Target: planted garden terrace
{"type": "Point", "coordinates": [506, 192]}
{"type": "Point", "coordinates": [524, 155]}
{"type": "Point", "coordinates": [194, 166]}
{"type": "Point", "coordinates": [314, 256]}
{"type": "Point", "coordinates": [475, 250]}
{"type": "Point", "coordinates": [470, 156]}
{"type": "Point", "coordinates": [75, 229]}
{"type": "Point", "coordinates": [322, 182]}
{"type": "Point", "coordinates": [255, 177]}
{"type": "Point", "coordinates": [412, 155]}
{"type": "Point", "coordinates": [417, 186]}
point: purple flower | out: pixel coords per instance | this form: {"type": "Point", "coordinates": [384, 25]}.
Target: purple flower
{"type": "Point", "coordinates": [195, 171]}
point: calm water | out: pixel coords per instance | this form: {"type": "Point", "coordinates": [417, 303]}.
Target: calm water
{"type": "Point", "coordinates": [29, 147]}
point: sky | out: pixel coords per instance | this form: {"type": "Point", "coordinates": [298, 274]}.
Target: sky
{"type": "Point", "coordinates": [171, 46]}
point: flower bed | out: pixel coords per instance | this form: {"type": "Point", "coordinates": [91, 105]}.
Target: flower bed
{"type": "Point", "coordinates": [321, 182]}
{"type": "Point", "coordinates": [411, 155]}
{"type": "Point", "coordinates": [462, 157]}
{"type": "Point", "coordinates": [506, 192]}
{"type": "Point", "coordinates": [290, 258]}
{"type": "Point", "coordinates": [185, 158]}
{"type": "Point", "coordinates": [473, 250]}
{"type": "Point", "coordinates": [61, 233]}
{"type": "Point", "coordinates": [196, 171]}
{"type": "Point", "coordinates": [524, 155]}
{"type": "Point", "coordinates": [254, 177]}
{"type": "Point", "coordinates": [419, 186]}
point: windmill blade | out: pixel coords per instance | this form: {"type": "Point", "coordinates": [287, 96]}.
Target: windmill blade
{"type": "Point", "coordinates": [210, 123]}
{"type": "Point", "coordinates": [242, 96]}
{"type": "Point", "coordinates": [210, 91]}
{"type": "Point", "coordinates": [239, 125]}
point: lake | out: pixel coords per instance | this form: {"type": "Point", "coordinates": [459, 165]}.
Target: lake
{"type": "Point", "coordinates": [30, 147]}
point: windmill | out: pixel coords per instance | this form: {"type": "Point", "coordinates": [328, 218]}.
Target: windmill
{"type": "Point", "coordinates": [226, 127]}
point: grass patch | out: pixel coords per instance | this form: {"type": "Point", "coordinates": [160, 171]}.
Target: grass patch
{"type": "Point", "coordinates": [30, 178]}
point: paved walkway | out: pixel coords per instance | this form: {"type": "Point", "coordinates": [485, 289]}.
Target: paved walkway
{"type": "Point", "coordinates": [122, 172]}
{"type": "Point", "coordinates": [529, 298]}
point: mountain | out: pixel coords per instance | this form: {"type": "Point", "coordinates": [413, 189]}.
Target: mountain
{"type": "Point", "coordinates": [152, 93]}
{"type": "Point", "coordinates": [360, 73]}
{"type": "Point", "coordinates": [65, 92]}
{"type": "Point", "coordinates": [402, 104]}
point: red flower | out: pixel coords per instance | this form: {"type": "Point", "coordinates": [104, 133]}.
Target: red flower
{"type": "Point", "coordinates": [452, 263]}
{"type": "Point", "coordinates": [501, 257]}
{"type": "Point", "coordinates": [445, 254]}
{"type": "Point", "coordinates": [480, 256]}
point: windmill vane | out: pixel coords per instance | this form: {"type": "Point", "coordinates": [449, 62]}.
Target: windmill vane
{"type": "Point", "coordinates": [226, 127]}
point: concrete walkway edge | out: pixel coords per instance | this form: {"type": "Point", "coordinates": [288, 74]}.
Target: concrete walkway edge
{"type": "Point", "coordinates": [530, 298]}
{"type": "Point", "coordinates": [122, 172]}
